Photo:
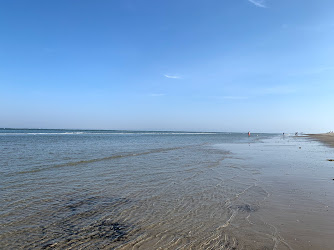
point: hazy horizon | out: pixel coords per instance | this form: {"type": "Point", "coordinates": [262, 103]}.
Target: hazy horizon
{"type": "Point", "coordinates": [152, 130]}
{"type": "Point", "coordinates": [229, 66]}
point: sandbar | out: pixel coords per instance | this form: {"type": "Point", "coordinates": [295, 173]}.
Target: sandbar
{"type": "Point", "coordinates": [326, 138]}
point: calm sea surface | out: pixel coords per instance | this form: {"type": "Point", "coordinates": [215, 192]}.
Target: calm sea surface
{"type": "Point", "coordinates": [92, 189]}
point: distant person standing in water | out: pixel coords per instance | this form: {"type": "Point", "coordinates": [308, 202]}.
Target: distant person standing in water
{"type": "Point", "coordinates": [248, 133]}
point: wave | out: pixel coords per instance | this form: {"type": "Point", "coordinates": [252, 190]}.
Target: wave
{"type": "Point", "coordinates": [75, 163]}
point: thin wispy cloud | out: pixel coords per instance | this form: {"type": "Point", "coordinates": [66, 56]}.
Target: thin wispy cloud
{"type": "Point", "coordinates": [259, 3]}
{"type": "Point", "coordinates": [173, 76]}
{"type": "Point", "coordinates": [235, 97]}
{"type": "Point", "coordinates": [277, 90]}
{"type": "Point", "coordinates": [230, 97]}
{"type": "Point", "coordinates": [156, 94]}
{"type": "Point", "coordinates": [322, 70]}
{"type": "Point", "coordinates": [313, 71]}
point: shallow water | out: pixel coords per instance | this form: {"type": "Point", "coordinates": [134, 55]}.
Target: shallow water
{"type": "Point", "coordinates": [149, 190]}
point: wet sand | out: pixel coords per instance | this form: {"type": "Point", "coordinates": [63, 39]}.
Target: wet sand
{"type": "Point", "coordinates": [327, 138]}
{"type": "Point", "coordinates": [298, 209]}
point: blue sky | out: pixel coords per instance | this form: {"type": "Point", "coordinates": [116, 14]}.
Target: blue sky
{"type": "Point", "coordinates": [216, 65]}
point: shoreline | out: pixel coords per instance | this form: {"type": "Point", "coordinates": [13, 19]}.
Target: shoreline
{"type": "Point", "coordinates": [326, 138]}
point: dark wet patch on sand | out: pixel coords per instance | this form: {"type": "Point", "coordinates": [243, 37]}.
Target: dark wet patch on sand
{"type": "Point", "coordinates": [90, 223]}
{"type": "Point", "coordinates": [247, 208]}
{"type": "Point", "coordinates": [98, 234]}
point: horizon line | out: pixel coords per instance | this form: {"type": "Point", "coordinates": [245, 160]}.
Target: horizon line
{"type": "Point", "coordinates": [147, 130]}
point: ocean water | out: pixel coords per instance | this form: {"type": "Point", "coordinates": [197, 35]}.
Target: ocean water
{"type": "Point", "coordinates": [93, 189]}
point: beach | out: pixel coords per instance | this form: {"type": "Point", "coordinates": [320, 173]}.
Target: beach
{"type": "Point", "coordinates": [168, 190]}
{"type": "Point", "coordinates": [327, 138]}
{"type": "Point", "coordinates": [166, 125]}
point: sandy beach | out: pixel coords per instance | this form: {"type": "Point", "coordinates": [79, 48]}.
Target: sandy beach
{"type": "Point", "coordinates": [327, 138]}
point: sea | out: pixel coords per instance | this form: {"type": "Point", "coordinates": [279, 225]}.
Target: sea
{"type": "Point", "coordinates": [108, 189]}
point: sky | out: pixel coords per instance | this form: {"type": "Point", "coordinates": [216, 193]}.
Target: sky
{"type": "Point", "coordinates": [194, 65]}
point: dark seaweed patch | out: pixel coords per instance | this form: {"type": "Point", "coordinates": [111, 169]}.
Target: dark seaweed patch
{"type": "Point", "coordinates": [75, 205]}
{"type": "Point", "coordinates": [245, 208]}
{"type": "Point", "coordinates": [86, 223]}
{"type": "Point", "coordinates": [99, 233]}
